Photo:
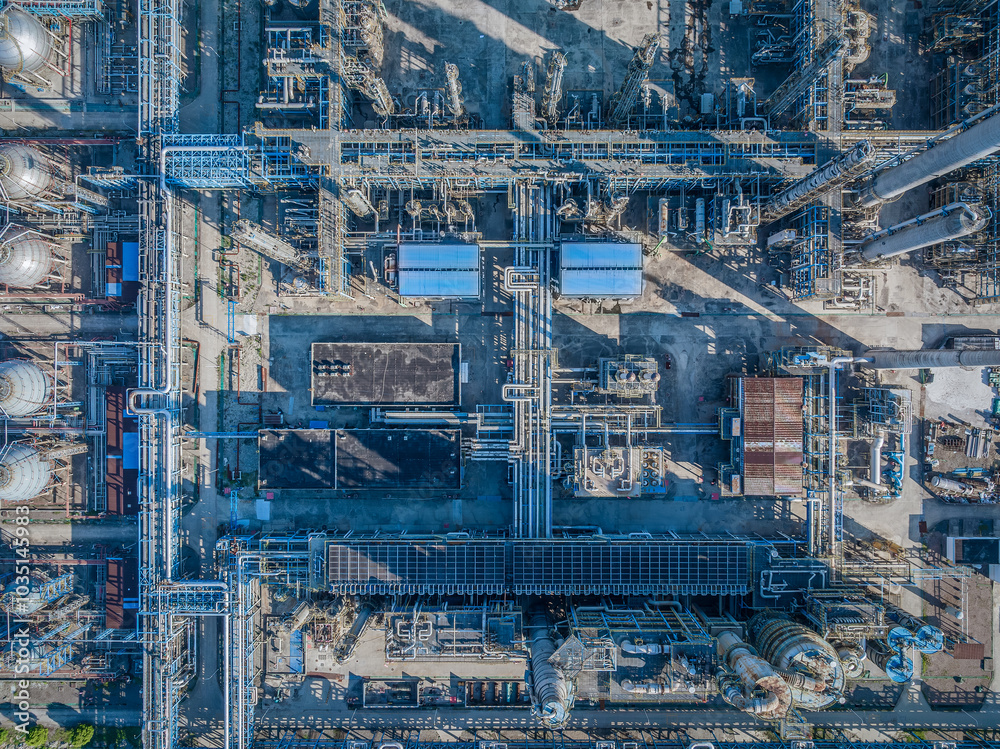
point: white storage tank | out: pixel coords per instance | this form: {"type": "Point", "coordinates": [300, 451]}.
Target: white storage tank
{"type": "Point", "coordinates": [25, 259]}
{"type": "Point", "coordinates": [24, 472]}
{"type": "Point", "coordinates": [25, 45]}
{"type": "Point", "coordinates": [24, 388]}
{"type": "Point", "coordinates": [24, 172]}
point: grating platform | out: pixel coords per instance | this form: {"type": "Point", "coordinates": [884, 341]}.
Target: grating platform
{"type": "Point", "coordinates": [540, 567]}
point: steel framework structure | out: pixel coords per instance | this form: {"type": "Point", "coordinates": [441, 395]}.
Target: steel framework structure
{"type": "Point", "coordinates": [81, 9]}
{"type": "Point", "coordinates": [159, 68]}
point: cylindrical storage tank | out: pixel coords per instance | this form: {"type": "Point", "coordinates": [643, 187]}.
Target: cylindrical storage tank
{"type": "Point", "coordinates": [24, 388]}
{"type": "Point", "coordinates": [792, 648]}
{"type": "Point", "coordinates": [931, 358]}
{"type": "Point", "coordinates": [979, 141]}
{"type": "Point", "coordinates": [548, 685]}
{"type": "Point", "coordinates": [24, 172]}
{"type": "Point", "coordinates": [24, 473]}
{"type": "Point", "coordinates": [25, 45]}
{"type": "Point", "coordinates": [25, 260]}
{"type": "Point", "coordinates": [959, 223]}
{"type": "Point", "coordinates": [897, 666]}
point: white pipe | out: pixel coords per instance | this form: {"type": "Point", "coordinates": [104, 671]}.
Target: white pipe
{"type": "Point", "coordinates": [647, 648]}
{"type": "Point", "coordinates": [649, 687]}
{"type": "Point", "coordinates": [876, 459]}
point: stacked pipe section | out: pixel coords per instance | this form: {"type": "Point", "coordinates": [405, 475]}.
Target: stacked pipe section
{"type": "Point", "coordinates": [751, 684]}
{"type": "Point", "coordinates": [807, 663]}
{"type": "Point", "coordinates": [551, 694]}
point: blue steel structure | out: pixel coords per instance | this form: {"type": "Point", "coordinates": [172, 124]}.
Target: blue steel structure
{"type": "Point", "coordinates": [207, 162]}
{"type": "Point", "coordinates": [77, 9]}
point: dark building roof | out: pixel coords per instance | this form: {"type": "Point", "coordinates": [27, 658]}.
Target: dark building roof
{"type": "Point", "coordinates": [352, 459]}
{"type": "Point", "coordinates": [385, 373]}
{"type": "Point", "coordinates": [977, 550]}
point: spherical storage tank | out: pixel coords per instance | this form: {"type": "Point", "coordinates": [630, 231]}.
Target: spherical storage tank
{"type": "Point", "coordinates": [24, 172]}
{"type": "Point", "coordinates": [25, 260]}
{"type": "Point", "coordinates": [24, 387]}
{"type": "Point", "coordinates": [25, 45]}
{"type": "Point", "coordinates": [24, 473]}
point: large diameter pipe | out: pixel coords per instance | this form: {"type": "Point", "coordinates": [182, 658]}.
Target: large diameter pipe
{"type": "Point", "coordinates": [929, 359]}
{"type": "Point", "coordinates": [978, 142]}
{"type": "Point", "coordinates": [957, 224]}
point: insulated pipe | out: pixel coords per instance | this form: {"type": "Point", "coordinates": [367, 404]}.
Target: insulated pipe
{"type": "Point", "coordinates": [945, 228]}
{"type": "Point", "coordinates": [802, 681]}
{"type": "Point", "coordinates": [876, 459]}
{"type": "Point", "coordinates": [755, 673]}
{"type": "Point", "coordinates": [932, 358]}
{"type": "Point", "coordinates": [979, 141]}
{"type": "Point", "coordinates": [649, 687]}
{"type": "Point", "coordinates": [649, 648]}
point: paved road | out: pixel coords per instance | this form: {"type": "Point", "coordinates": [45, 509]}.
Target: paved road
{"type": "Point", "coordinates": [86, 534]}
{"type": "Point", "coordinates": [289, 715]}
{"type": "Point", "coordinates": [69, 326]}
{"type": "Point", "coordinates": [64, 715]}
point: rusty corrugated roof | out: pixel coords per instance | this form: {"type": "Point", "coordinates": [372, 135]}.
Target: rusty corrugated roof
{"type": "Point", "coordinates": [772, 436]}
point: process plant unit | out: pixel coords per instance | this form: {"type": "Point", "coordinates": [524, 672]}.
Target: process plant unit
{"type": "Point", "coordinates": [377, 373]}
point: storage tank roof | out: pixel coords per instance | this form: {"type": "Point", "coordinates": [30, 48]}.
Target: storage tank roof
{"type": "Point", "coordinates": [25, 46]}
{"type": "Point", "coordinates": [24, 387]}
{"type": "Point", "coordinates": [24, 172]}
{"type": "Point", "coordinates": [25, 260]}
{"type": "Point", "coordinates": [24, 473]}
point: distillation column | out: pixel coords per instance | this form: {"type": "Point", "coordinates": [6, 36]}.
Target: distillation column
{"type": "Point", "coordinates": [956, 221]}
{"type": "Point", "coordinates": [552, 92]}
{"type": "Point", "coordinates": [819, 182]}
{"type": "Point", "coordinates": [624, 100]}
{"type": "Point", "coordinates": [978, 142]}
{"type": "Point", "coordinates": [931, 358]}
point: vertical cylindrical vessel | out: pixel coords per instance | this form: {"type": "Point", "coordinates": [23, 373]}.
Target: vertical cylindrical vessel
{"type": "Point", "coordinates": [897, 666]}
{"type": "Point", "coordinates": [24, 388]}
{"type": "Point", "coordinates": [24, 472]}
{"type": "Point", "coordinates": [25, 259]}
